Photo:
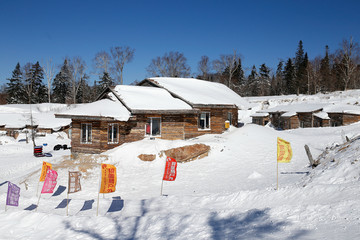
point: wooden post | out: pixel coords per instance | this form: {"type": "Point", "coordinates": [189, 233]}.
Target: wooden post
{"type": "Point", "coordinates": [67, 204]}
{"type": "Point", "coordinates": [37, 190]}
{"type": "Point", "coordinates": [277, 168]}
{"type": "Point", "coordinates": [308, 153]}
{"type": "Point", "coordinates": [162, 182]}
{"type": "Point", "coordinates": [97, 209]}
{"type": "Point", "coordinates": [37, 206]}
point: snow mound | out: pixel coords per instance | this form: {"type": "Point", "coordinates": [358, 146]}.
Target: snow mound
{"type": "Point", "coordinates": [338, 165]}
{"type": "Point", "coordinates": [255, 175]}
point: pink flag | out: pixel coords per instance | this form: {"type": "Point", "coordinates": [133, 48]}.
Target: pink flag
{"type": "Point", "coordinates": [50, 181]}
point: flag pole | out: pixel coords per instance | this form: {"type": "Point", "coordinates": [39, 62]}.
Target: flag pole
{"type": "Point", "coordinates": [162, 181]}
{"type": "Point", "coordinates": [98, 199]}
{"type": "Point", "coordinates": [37, 206]}
{"type": "Point", "coordinates": [67, 204]}
{"type": "Point", "coordinates": [97, 209]}
{"type": "Point", "coordinates": [277, 167]}
{"type": "Point", "coordinates": [37, 190]}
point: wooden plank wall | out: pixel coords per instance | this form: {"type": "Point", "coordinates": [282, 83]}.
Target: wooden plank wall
{"type": "Point", "coordinates": [350, 118]}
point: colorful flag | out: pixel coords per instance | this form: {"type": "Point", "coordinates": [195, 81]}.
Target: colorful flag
{"type": "Point", "coordinates": [284, 152]}
{"type": "Point", "coordinates": [74, 182]}
{"type": "Point", "coordinates": [13, 195]}
{"type": "Point", "coordinates": [50, 181]}
{"type": "Point", "coordinates": [170, 169]}
{"type": "Point", "coordinates": [108, 178]}
{"type": "Point", "coordinates": [45, 167]}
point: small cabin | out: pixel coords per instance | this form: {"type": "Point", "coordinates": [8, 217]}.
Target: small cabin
{"type": "Point", "coordinates": [131, 113]}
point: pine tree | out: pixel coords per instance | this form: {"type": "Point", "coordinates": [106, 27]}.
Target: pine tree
{"type": "Point", "coordinates": [15, 88]}
{"type": "Point", "coordinates": [83, 89]}
{"type": "Point", "coordinates": [264, 80]}
{"type": "Point", "coordinates": [39, 88]}
{"type": "Point", "coordinates": [105, 81]}
{"type": "Point", "coordinates": [300, 69]}
{"type": "Point", "coordinates": [289, 78]}
{"type": "Point", "coordinates": [325, 72]}
{"type": "Point", "coordinates": [61, 85]}
{"type": "Point", "coordinates": [253, 82]}
{"type": "Point", "coordinates": [279, 79]}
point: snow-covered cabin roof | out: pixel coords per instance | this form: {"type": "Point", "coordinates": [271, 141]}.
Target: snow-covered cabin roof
{"type": "Point", "coordinates": [147, 98]}
{"type": "Point", "coordinates": [342, 108]}
{"type": "Point", "coordinates": [104, 108]}
{"type": "Point", "coordinates": [260, 114]}
{"type": "Point", "coordinates": [322, 115]}
{"type": "Point", "coordinates": [200, 92]}
{"type": "Point", "coordinates": [289, 114]}
{"type": "Point", "coordinates": [298, 108]}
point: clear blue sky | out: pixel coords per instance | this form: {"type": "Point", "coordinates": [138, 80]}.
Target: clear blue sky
{"type": "Point", "coordinates": [261, 31]}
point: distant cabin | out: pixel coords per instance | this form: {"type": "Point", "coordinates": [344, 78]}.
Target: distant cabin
{"type": "Point", "coordinates": [308, 115]}
{"type": "Point", "coordinates": [165, 108]}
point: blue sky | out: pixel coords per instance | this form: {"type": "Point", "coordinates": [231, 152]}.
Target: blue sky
{"type": "Point", "coordinates": [261, 31]}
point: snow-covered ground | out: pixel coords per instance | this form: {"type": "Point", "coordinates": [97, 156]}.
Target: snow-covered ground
{"type": "Point", "coordinates": [230, 194]}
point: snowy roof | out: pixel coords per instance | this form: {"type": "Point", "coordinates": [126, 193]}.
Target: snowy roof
{"type": "Point", "coordinates": [148, 98]}
{"type": "Point", "coordinates": [102, 108]}
{"type": "Point", "coordinates": [299, 108]}
{"type": "Point", "coordinates": [200, 92]}
{"type": "Point", "coordinates": [260, 114]}
{"type": "Point", "coordinates": [289, 114]}
{"type": "Point", "coordinates": [322, 115]}
{"type": "Point", "coordinates": [343, 108]}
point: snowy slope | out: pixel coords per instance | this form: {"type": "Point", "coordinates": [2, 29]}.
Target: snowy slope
{"type": "Point", "coordinates": [231, 194]}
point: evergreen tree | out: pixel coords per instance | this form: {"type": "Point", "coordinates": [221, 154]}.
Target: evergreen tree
{"type": "Point", "coordinates": [300, 64]}
{"type": "Point", "coordinates": [15, 89]}
{"type": "Point", "coordinates": [289, 78]}
{"type": "Point", "coordinates": [83, 89]}
{"type": "Point", "coordinates": [325, 72]}
{"type": "Point", "coordinates": [36, 91]}
{"type": "Point", "coordinates": [279, 80]}
{"type": "Point", "coordinates": [264, 80]}
{"type": "Point", "coordinates": [61, 85]}
{"type": "Point", "coordinates": [105, 81]}
{"type": "Point", "coordinates": [253, 82]}
{"type": "Point", "coordinates": [39, 88]}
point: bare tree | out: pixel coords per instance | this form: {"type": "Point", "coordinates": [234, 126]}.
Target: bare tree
{"type": "Point", "coordinates": [121, 56]}
{"type": "Point", "coordinates": [49, 70]}
{"type": "Point", "coordinates": [227, 64]}
{"type": "Point", "coordinates": [102, 62]}
{"type": "Point", "coordinates": [77, 66]}
{"type": "Point", "coordinates": [172, 64]}
{"type": "Point", "coordinates": [347, 58]}
{"type": "Point", "coordinates": [204, 67]}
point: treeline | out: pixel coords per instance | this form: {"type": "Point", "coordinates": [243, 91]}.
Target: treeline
{"type": "Point", "coordinates": [69, 82]}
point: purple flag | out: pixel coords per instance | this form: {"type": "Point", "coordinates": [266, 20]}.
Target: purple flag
{"type": "Point", "coordinates": [13, 195]}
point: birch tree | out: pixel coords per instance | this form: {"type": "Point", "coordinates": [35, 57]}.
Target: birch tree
{"type": "Point", "coordinates": [227, 64]}
{"type": "Point", "coordinates": [77, 67]}
{"type": "Point", "coordinates": [102, 61]}
{"type": "Point", "coordinates": [172, 64]}
{"type": "Point", "coordinates": [121, 56]}
{"type": "Point", "coordinates": [49, 71]}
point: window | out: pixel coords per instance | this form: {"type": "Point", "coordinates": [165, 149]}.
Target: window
{"type": "Point", "coordinates": [113, 129]}
{"type": "Point", "coordinates": [229, 117]}
{"type": "Point", "coordinates": [153, 127]}
{"type": "Point", "coordinates": [204, 121]}
{"type": "Point", "coordinates": [86, 133]}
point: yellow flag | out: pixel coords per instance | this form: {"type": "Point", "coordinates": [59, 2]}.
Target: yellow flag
{"type": "Point", "coordinates": [284, 152]}
{"type": "Point", "coordinates": [45, 167]}
{"type": "Point", "coordinates": [108, 178]}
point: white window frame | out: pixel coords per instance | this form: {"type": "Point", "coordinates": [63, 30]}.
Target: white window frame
{"type": "Point", "coordinates": [88, 134]}
{"type": "Point", "coordinates": [205, 123]}
{"type": "Point", "coordinates": [151, 127]}
{"type": "Point", "coordinates": [112, 139]}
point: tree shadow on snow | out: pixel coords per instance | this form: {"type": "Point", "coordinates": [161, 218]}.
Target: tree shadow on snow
{"type": "Point", "coordinates": [31, 207]}
{"type": "Point", "coordinates": [254, 224]}
{"type": "Point", "coordinates": [3, 183]}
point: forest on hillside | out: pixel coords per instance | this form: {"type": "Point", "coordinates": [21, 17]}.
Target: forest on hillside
{"type": "Point", "coordinates": [70, 82]}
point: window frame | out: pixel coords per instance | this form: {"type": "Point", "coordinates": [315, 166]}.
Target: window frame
{"type": "Point", "coordinates": [88, 133]}
{"type": "Point", "coordinates": [111, 127]}
{"type": "Point", "coordinates": [205, 124]}
{"type": "Point", "coordinates": [150, 124]}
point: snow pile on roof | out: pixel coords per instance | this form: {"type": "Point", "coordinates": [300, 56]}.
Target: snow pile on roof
{"type": "Point", "coordinates": [289, 114]}
{"type": "Point", "coordinates": [101, 108]}
{"type": "Point", "coordinates": [322, 115]}
{"type": "Point", "coordinates": [198, 91]}
{"type": "Point", "coordinates": [149, 98]}
{"type": "Point", "coordinates": [299, 108]}
{"type": "Point", "coordinates": [260, 114]}
{"type": "Point", "coordinates": [343, 108]}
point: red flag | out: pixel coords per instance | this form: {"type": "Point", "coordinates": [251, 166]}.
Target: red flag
{"type": "Point", "coordinates": [170, 169]}
{"type": "Point", "coordinates": [50, 182]}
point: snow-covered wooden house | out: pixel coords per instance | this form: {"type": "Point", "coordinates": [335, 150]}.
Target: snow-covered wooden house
{"type": "Point", "coordinates": [169, 111]}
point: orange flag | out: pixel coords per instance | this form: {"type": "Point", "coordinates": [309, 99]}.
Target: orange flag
{"type": "Point", "coordinates": [45, 167]}
{"type": "Point", "coordinates": [108, 178]}
{"type": "Point", "coordinates": [284, 152]}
